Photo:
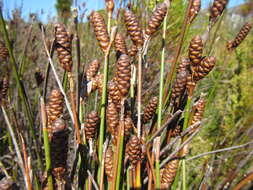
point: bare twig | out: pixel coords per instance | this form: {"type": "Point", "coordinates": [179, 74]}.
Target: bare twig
{"type": "Point", "coordinates": [165, 125]}
{"type": "Point", "coordinates": [15, 143]}
{"type": "Point", "coordinates": [220, 150]}
{"type": "Point", "coordinates": [92, 180]}
{"type": "Point", "coordinates": [56, 76]}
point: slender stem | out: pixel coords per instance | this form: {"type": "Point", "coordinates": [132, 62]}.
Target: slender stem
{"type": "Point", "coordinates": [46, 144]}
{"type": "Point", "coordinates": [139, 93]}
{"type": "Point", "coordinates": [15, 143]}
{"type": "Point", "coordinates": [102, 114]}
{"type": "Point", "coordinates": [73, 102]}
{"type": "Point", "coordinates": [160, 106]}
{"type": "Point", "coordinates": [244, 181]}
{"type": "Point", "coordinates": [178, 50]}
{"type": "Point", "coordinates": [21, 90]}
{"type": "Point", "coordinates": [184, 174]}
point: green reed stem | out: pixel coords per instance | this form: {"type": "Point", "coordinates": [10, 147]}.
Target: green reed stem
{"type": "Point", "coordinates": [21, 90]}
{"type": "Point", "coordinates": [102, 114]}
{"type": "Point", "coordinates": [186, 122]}
{"type": "Point", "coordinates": [46, 144]}
{"type": "Point", "coordinates": [160, 105]}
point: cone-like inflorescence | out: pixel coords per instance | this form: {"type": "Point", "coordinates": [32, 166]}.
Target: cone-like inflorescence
{"type": "Point", "coordinates": [63, 47]}
{"type": "Point", "coordinates": [120, 44]}
{"type": "Point", "coordinates": [133, 28]}
{"type": "Point", "coordinates": [194, 10]}
{"type": "Point", "coordinates": [133, 51]}
{"type": "Point", "coordinates": [239, 37]}
{"type": "Point", "coordinates": [128, 125]}
{"type": "Point", "coordinates": [114, 94]}
{"type": "Point", "coordinates": [133, 150]}
{"type": "Point", "coordinates": [184, 65]}
{"type": "Point", "coordinates": [39, 77]}
{"type": "Point", "coordinates": [91, 125]}
{"type": "Point", "coordinates": [100, 30]}
{"type": "Point", "coordinates": [177, 131]}
{"type": "Point", "coordinates": [190, 85]}
{"type": "Point", "coordinates": [92, 69]}
{"type": "Point", "coordinates": [123, 74]}
{"type": "Point", "coordinates": [109, 5]}
{"type": "Point", "coordinates": [4, 86]}
{"type": "Point", "coordinates": [168, 174]}
{"type": "Point", "coordinates": [109, 163]}
{"type": "Point", "coordinates": [179, 86]}
{"type": "Point", "coordinates": [54, 109]}
{"type": "Point", "coordinates": [150, 110]}
{"type": "Point", "coordinates": [112, 118]}
{"type": "Point", "coordinates": [59, 149]}
{"type": "Point", "coordinates": [217, 9]}
{"type": "Point", "coordinates": [4, 54]}
{"type": "Point", "coordinates": [195, 50]}
{"type": "Point", "coordinates": [156, 19]}
{"type": "Point", "coordinates": [200, 108]}
{"type": "Point", "coordinates": [97, 83]}
{"type": "Point", "coordinates": [204, 68]}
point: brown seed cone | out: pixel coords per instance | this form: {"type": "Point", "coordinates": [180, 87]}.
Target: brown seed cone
{"type": "Point", "coordinates": [109, 163]}
{"type": "Point", "coordinates": [190, 85]}
{"type": "Point", "coordinates": [195, 50]}
{"type": "Point", "coordinates": [200, 108]}
{"type": "Point", "coordinates": [63, 47]}
{"type": "Point", "coordinates": [59, 149]}
{"type": "Point", "coordinates": [123, 74]}
{"type": "Point", "coordinates": [128, 126]}
{"type": "Point", "coordinates": [91, 124]}
{"type": "Point", "coordinates": [39, 77]}
{"type": "Point", "coordinates": [150, 110]}
{"type": "Point", "coordinates": [55, 105]}
{"type": "Point", "coordinates": [179, 87]}
{"type": "Point", "coordinates": [184, 65]}
{"type": "Point", "coordinates": [156, 19]}
{"type": "Point", "coordinates": [204, 68]}
{"type": "Point", "coordinates": [177, 131]}
{"type": "Point", "coordinates": [109, 5]}
{"type": "Point", "coordinates": [133, 150]}
{"type": "Point", "coordinates": [114, 94]}
{"type": "Point", "coordinates": [169, 173]}
{"type": "Point", "coordinates": [100, 30]}
{"type": "Point", "coordinates": [92, 69]}
{"type": "Point", "coordinates": [4, 53]}
{"type": "Point", "coordinates": [97, 83]}
{"type": "Point", "coordinates": [120, 44]}
{"type": "Point", "coordinates": [217, 9]}
{"type": "Point", "coordinates": [133, 28]}
{"type": "Point", "coordinates": [6, 183]}
{"type": "Point", "coordinates": [194, 10]}
{"type": "Point", "coordinates": [133, 51]}
{"type": "Point", "coordinates": [112, 118]}
{"type": "Point", "coordinates": [4, 86]}
{"type": "Point", "coordinates": [239, 37]}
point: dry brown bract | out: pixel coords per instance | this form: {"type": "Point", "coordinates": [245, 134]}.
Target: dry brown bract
{"type": "Point", "coordinates": [63, 47]}
{"type": "Point", "coordinates": [100, 30]}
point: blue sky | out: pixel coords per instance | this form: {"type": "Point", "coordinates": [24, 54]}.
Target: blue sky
{"type": "Point", "coordinates": [30, 6]}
